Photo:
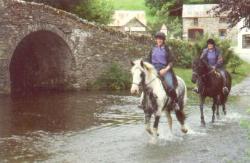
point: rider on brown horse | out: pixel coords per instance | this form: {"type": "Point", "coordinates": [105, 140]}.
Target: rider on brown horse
{"type": "Point", "coordinates": [212, 56]}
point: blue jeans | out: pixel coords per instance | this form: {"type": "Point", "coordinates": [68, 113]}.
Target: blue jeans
{"type": "Point", "coordinates": [168, 77]}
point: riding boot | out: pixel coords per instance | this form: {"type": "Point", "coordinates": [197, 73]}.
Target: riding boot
{"type": "Point", "coordinates": [225, 90]}
{"type": "Point", "coordinates": [173, 99]}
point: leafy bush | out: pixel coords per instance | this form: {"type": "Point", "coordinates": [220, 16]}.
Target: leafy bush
{"type": "Point", "coordinates": [100, 11]}
{"type": "Point", "coordinates": [114, 78]}
{"type": "Point", "coordinates": [234, 63]}
{"type": "Point", "coordinates": [183, 52]}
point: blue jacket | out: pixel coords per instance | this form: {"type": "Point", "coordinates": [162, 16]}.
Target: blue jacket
{"type": "Point", "coordinates": [219, 59]}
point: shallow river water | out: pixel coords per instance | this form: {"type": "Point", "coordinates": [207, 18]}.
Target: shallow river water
{"type": "Point", "coordinates": [108, 127]}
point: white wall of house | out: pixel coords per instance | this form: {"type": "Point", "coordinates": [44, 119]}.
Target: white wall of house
{"type": "Point", "coordinates": [243, 32]}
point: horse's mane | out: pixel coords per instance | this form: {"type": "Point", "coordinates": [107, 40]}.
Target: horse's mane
{"type": "Point", "coordinates": [147, 66]}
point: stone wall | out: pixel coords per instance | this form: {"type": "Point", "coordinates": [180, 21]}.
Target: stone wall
{"type": "Point", "coordinates": [210, 25]}
{"type": "Point", "coordinates": [83, 50]}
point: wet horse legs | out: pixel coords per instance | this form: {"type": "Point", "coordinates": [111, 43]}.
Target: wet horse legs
{"type": "Point", "coordinates": [202, 100]}
{"type": "Point", "coordinates": [147, 124]}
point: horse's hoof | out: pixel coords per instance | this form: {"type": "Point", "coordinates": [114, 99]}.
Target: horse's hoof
{"type": "Point", "coordinates": [203, 124]}
{"type": "Point", "coordinates": [153, 141]}
{"type": "Point", "coordinates": [149, 131]}
{"type": "Point", "coordinates": [184, 130]}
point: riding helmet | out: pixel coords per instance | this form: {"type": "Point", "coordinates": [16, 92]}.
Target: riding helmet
{"type": "Point", "coordinates": [210, 41]}
{"type": "Point", "coordinates": [160, 35]}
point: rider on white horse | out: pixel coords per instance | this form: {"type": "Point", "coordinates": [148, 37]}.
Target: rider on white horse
{"type": "Point", "coordinates": [161, 57]}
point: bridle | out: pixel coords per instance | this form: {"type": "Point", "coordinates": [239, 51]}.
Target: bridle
{"type": "Point", "coordinates": [143, 80]}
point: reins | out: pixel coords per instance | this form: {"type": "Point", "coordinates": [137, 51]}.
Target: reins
{"type": "Point", "coordinates": [146, 84]}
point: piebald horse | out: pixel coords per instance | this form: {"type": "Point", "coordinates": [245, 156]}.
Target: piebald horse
{"type": "Point", "coordinates": [156, 99]}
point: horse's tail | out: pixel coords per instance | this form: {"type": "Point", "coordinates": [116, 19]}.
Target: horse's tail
{"type": "Point", "coordinates": [185, 96]}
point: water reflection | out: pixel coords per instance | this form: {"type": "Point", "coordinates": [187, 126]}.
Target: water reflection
{"type": "Point", "coordinates": [53, 112]}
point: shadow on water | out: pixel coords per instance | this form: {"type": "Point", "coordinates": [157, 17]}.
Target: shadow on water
{"type": "Point", "coordinates": [108, 127]}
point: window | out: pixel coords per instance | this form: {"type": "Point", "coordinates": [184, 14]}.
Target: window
{"type": "Point", "coordinates": [223, 20]}
{"type": "Point", "coordinates": [246, 41]}
{"type": "Point", "coordinates": [194, 33]}
{"type": "Point", "coordinates": [222, 33]}
{"type": "Point", "coordinates": [196, 22]}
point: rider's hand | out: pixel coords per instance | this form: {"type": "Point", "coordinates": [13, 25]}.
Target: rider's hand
{"type": "Point", "coordinates": [163, 71]}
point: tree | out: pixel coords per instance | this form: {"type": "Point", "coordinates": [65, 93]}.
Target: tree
{"type": "Point", "coordinates": [100, 11]}
{"type": "Point", "coordinates": [236, 11]}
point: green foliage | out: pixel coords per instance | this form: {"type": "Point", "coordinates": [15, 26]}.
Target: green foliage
{"type": "Point", "coordinates": [129, 5]}
{"type": "Point", "coordinates": [100, 11]}
{"type": "Point", "coordinates": [183, 52]}
{"type": "Point", "coordinates": [114, 78]}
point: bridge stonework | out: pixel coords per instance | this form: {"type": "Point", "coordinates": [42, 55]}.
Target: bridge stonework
{"type": "Point", "coordinates": [44, 47]}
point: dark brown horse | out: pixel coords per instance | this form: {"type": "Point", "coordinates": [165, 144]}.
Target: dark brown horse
{"type": "Point", "coordinates": [210, 84]}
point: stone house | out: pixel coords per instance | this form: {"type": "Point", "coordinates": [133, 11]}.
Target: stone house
{"type": "Point", "coordinates": [198, 21]}
{"type": "Point", "coordinates": [130, 21]}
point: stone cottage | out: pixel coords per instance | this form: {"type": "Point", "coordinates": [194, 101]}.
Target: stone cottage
{"type": "Point", "coordinates": [130, 21]}
{"type": "Point", "coordinates": [198, 21]}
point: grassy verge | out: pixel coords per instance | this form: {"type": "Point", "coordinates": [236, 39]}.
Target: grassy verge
{"type": "Point", "coordinates": [242, 72]}
{"type": "Point", "coordinates": [186, 75]}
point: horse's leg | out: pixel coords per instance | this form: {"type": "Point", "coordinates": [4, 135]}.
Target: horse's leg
{"type": "Point", "coordinates": [213, 109]}
{"type": "Point", "coordinates": [218, 111]}
{"type": "Point", "coordinates": [147, 124]}
{"type": "Point", "coordinates": [219, 100]}
{"type": "Point", "coordinates": [181, 118]}
{"type": "Point", "coordinates": [170, 121]}
{"type": "Point", "coordinates": [156, 123]}
{"type": "Point", "coordinates": [224, 109]}
{"type": "Point", "coordinates": [202, 100]}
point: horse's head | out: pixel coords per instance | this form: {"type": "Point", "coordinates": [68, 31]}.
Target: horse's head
{"type": "Point", "coordinates": [199, 68]}
{"type": "Point", "coordinates": [140, 71]}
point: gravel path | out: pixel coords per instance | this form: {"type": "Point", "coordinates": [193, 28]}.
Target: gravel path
{"type": "Point", "coordinates": [242, 89]}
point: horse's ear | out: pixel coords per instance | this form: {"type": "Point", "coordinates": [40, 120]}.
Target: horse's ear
{"type": "Point", "coordinates": [132, 63]}
{"type": "Point", "coordinates": [142, 64]}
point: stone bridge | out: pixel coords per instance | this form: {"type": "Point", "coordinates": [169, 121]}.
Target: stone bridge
{"type": "Point", "coordinates": [45, 48]}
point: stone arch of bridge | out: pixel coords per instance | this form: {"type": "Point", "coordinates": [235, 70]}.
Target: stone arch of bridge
{"type": "Point", "coordinates": [42, 60]}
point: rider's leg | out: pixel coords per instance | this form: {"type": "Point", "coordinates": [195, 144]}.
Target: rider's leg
{"type": "Point", "coordinates": [171, 90]}
{"type": "Point", "coordinates": [223, 74]}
